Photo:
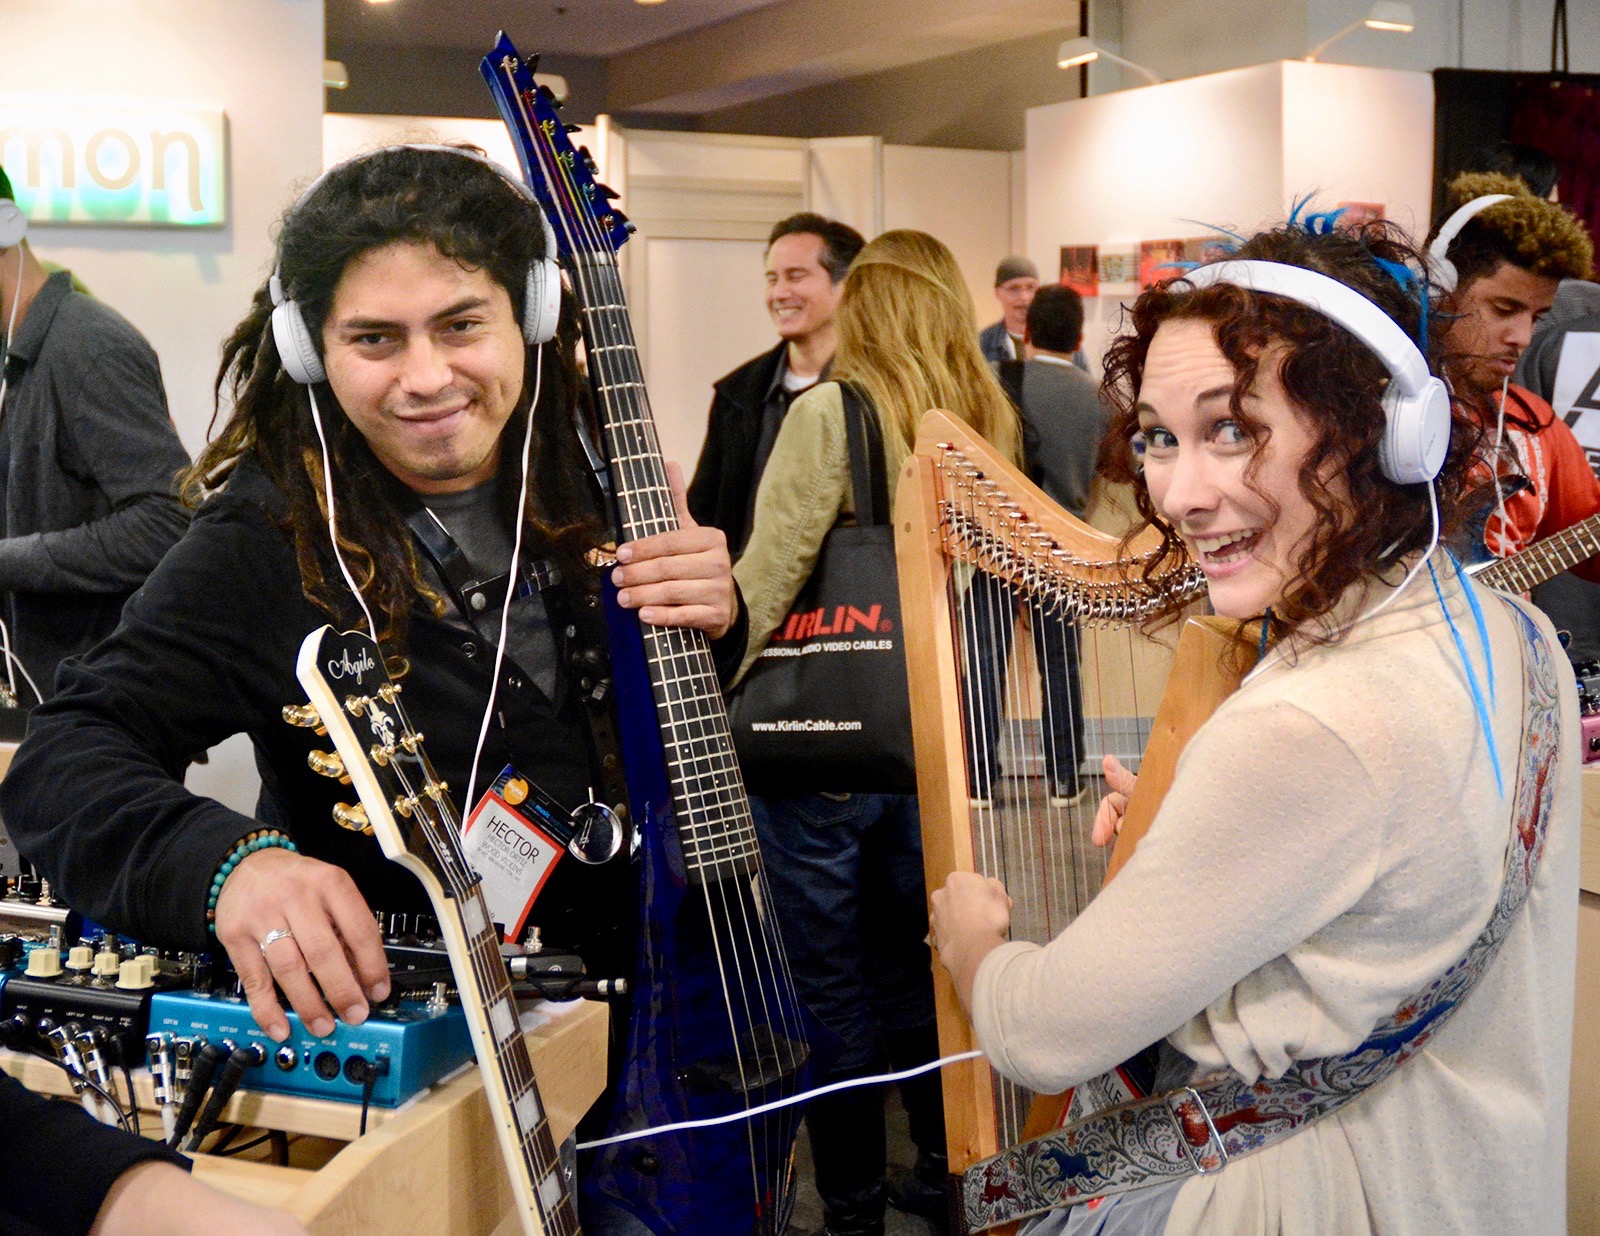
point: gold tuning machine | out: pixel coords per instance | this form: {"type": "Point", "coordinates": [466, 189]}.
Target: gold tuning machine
{"type": "Point", "coordinates": [304, 716]}
{"type": "Point", "coordinates": [327, 764]}
{"type": "Point", "coordinates": [353, 817]}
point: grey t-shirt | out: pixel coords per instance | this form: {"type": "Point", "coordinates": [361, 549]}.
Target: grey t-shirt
{"type": "Point", "coordinates": [1063, 421]}
{"type": "Point", "coordinates": [472, 518]}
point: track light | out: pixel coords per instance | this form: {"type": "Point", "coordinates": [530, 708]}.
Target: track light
{"type": "Point", "coordinates": [1083, 50]}
{"type": "Point", "coordinates": [1389, 16]}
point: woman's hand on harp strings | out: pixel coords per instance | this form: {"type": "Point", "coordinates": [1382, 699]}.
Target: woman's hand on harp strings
{"type": "Point", "coordinates": [1108, 819]}
{"type": "Point", "coordinates": [682, 578]}
{"type": "Point", "coordinates": [968, 919]}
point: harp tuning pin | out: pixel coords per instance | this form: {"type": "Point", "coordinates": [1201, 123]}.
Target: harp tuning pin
{"type": "Point", "coordinates": [352, 816]}
{"type": "Point", "coordinates": [303, 715]}
{"type": "Point", "coordinates": [326, 764]}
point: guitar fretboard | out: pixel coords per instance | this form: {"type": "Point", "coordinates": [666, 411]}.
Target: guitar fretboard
{"type": "Point", "coordinates": [1544, 560]}
{"type": "Point", "coordinates": [714, 824]}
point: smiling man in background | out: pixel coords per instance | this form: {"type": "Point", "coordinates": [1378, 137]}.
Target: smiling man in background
{"type": "Point", "coordinates": [807, 257]}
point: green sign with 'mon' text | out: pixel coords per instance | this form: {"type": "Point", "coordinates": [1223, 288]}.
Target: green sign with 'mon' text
{"type": "Point", "coordinates": [142, 165]}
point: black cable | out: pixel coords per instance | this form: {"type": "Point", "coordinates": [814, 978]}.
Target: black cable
{"type": "Point", "coordinates": [116, 1104]}
{"type": "Point", "coordinates": [222, 1150]}
{"type": "Point", "coordinates": [133, 1099]}
{"type": "Point", "coordinates": [240, 1059]}
{"type": "Point", "coordinates": [280, 1143]}
{"type": "Point", "coordinates": [371, 1070]}
{"type": "Point", "coordinates": [225, 1136]}
{"type": "Point", "coordinates": [200, 1072]}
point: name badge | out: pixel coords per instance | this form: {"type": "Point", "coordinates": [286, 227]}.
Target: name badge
{"type": "Point", "coordinates": [511, 845]}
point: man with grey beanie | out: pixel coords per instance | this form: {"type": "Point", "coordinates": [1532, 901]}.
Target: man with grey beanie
{"type": "Point", "coordinates": [1016, 279]}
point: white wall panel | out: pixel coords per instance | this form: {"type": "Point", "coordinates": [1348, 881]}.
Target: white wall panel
{"type": "Point", "coordinates": [961, 196]}
{"type": "Point", "coordinates": [707, 315]}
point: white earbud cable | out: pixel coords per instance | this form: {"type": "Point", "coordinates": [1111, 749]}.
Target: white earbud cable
{"type": "Point", "coordinates": [511, 584]}
{"type": "Point", "coordinates": [333, 524]}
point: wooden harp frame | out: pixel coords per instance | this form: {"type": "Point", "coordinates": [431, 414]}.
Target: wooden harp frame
{"type": "Point", "coordinates": [1021, 535]}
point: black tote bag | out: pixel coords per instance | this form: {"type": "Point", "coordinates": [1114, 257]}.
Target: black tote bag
{"type": "Point", "coordinates": [826, 705]}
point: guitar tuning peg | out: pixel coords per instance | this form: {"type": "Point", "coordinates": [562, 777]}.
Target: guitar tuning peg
{"type": "Point", "coordinates": [303, 715]}
{"type": "Point", "coordinates": [572, 128]}
{"type": "Point", "coordinates": [327, 764]}
{"type": "Point", "coordinates": [533, 61]}
{"type": "Point", "coordinates": [353, 817]}
{"type": "Point", "coordinates": [607, 192]}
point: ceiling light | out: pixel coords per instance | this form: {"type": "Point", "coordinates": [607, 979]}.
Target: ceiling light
{"type": "Point", "coordinates": [334, 75]}
{"type": "Point", "coordinates": [1386, 15]}
{"type": "Point", "coordinates": [1083, 50]}
{"type": "Point", "coordinates": [378, 1]}
{"type": "Point", "coordinates": [649, 1]}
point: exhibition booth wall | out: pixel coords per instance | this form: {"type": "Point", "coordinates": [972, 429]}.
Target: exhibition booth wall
{"type": "Point", "coordinates": [1117, 185]}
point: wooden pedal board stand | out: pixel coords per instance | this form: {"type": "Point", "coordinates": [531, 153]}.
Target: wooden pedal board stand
{"type": "Point", "coordinates": [431, 1166]}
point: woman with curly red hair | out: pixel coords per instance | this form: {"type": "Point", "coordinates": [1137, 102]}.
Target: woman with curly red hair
{"type": "Point", "coordinates": [1359, 1011]}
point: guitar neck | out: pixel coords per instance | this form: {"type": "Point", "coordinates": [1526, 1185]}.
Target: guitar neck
{"type": "Point", "coordinates": [521, 1122]}
{"type": "Point", "coordinates": [1544, 560]}
{"type": "Point", "coordinates": [715, 828]}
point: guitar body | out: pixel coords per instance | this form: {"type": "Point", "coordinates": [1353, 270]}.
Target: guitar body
{"type": "Point", "coordinates": [680, 1060]}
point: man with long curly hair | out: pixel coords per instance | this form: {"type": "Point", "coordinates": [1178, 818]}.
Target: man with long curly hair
{"type": "Point", "coordinates": [1509, 259]}
{"type": "Point", "coordinates": [413, 270]}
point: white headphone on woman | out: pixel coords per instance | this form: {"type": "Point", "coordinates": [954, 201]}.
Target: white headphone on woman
{"type": "Point", "coordinates": [541, 310]}
{"type": "Point", "coordinates": [1440, 268]}
{"type": "Point", "coordinates": [1416, 404]}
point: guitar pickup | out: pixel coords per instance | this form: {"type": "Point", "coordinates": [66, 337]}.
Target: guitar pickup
{"type": "Point", "coordinates": [766, 1058]}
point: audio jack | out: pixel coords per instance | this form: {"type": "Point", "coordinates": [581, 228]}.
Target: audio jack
{"type": "Point", "coordinates": [202, 1068]}
{"type": "Point", "coordinates": [239, 1059]}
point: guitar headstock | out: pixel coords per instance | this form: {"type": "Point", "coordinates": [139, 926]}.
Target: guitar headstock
{"type": "Point", "coordinates": [560, 175]}
{"type": "Point", "coordinates": [376, 748]}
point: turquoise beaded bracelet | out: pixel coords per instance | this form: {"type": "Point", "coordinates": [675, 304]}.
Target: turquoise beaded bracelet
{"type": "Point", "coordinates": [263, 839]}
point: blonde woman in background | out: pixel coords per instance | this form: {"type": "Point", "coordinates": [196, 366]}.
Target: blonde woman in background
{"type": "Point", "coordinates": [846, 870]}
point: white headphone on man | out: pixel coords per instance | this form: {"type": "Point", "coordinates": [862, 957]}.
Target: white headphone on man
{"type": "Point", "coordinates": [541, 310]}
{"type": "Point", "coordinates": [1440, 268]}
{"type": "Point", "coordinates": [13, 224]}
{"type": "Point", "coordinates": [1415, 403]}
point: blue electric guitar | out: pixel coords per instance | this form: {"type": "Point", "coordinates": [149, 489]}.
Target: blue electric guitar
{"type": "Point", "coordinates": [715, 1027]}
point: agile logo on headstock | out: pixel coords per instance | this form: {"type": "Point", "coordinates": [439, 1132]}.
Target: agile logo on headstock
{"type": "Point", "coordinates": [346, 667]}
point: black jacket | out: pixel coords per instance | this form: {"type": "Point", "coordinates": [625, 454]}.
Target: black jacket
{"type": "Point", "coordinates": [725, 479]}
{"type": "Point", "coordinates": [207, 649]}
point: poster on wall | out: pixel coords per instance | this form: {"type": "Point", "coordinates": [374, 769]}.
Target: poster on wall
{"type": "Point", "coordinates": [1159, 261]}
{"type": "Point", "coordinates": [1080, 269]}
{"type": "Point", "coordinates": [1358, 214]}
{"type": "Point", "coordinates": [1119, 270]}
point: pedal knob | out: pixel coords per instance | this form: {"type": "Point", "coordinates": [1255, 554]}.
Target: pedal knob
{"type": "Point", "coordinates": [80, 958]}
{"type": "Point", "coordinates": [107, 964]}
{"type": "Point", "coordinates": [44, 963]}
{"type": "Point", "coordinates": [303, 715]}
{"type": "Point", "coordinates": [352, 816]}
{"type": "Point", "coordinates": [133, 976]}
{"type": "Point", "coordinates": [326, 764]}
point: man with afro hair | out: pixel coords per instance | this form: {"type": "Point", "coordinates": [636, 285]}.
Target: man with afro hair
{"type": "Point", "coordinates": [1509, 259]}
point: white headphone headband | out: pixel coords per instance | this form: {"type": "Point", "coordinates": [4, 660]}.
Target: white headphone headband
{"type": "Point", "coordinates": [1332, 299]}
{"type": "Point", "coordinates": [541, 301]}
{"type": "Point", "coordinates": [1416, 404]}
{"type": "Point", "coordinates": [1440, 267]}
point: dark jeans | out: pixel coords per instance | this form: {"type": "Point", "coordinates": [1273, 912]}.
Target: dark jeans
{"type": "Point", "coordinates": [846, 878]}
{"type": "Point", "coordinates": [988, 618]}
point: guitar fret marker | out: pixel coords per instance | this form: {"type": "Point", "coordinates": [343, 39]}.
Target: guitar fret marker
{"type": "Point", "coordinates": [505, 1025]}
{"type": "Point", "coordinates": [529, 1110]}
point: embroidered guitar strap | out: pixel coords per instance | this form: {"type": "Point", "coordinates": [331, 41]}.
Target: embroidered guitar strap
{"type": "Point", "coordinates": [1196, 1130]}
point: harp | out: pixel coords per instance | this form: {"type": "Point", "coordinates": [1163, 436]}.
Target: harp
{"type": "Point", "coordinates": [1026, 665]}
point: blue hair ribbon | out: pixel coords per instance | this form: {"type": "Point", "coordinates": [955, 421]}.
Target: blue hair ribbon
{"type": "Point", "coordinates": [1408, 281]}
{"type": "Point", "coordinates": [1472, 676]}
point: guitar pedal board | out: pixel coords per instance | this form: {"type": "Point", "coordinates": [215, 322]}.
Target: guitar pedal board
{"type": "Point", "coordinates": [409, 1045]}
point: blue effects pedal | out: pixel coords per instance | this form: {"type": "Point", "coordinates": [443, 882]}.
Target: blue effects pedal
{"type": "Point", "coordinates": [420, 1044]}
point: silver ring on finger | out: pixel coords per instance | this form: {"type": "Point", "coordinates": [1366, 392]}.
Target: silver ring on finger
{"type": "Point", "coordinates": [273, 936]}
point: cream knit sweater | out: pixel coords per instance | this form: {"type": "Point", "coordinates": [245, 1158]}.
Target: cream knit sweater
{"type": "Point", "coordinates": [1333, 841]}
